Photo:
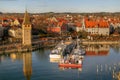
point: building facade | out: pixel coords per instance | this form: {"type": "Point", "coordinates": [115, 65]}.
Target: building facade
{"type": "Point", "coordinates": [26, 30]}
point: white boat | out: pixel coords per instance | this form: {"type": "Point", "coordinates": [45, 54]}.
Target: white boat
{"type": "Point", "coordinates": [57, 51]}
{"type": "Point", "coordinates": [55, 54]}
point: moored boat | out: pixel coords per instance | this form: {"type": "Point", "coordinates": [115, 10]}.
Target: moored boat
{"type": "Point", "coordinates": [77, 49]}
{"type": "Point", "coordinates": [71, 61]}
{"type": "Point", "coordinates": [57, 51]}
{"type": "Point", "coordinates": [55, 54]}
{"type": "Point", "coordinates": [65, 65]}
{"type": "Point", "coordinates": [74, 59]}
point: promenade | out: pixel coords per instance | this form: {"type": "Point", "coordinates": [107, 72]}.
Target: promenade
{"type": "Point", "coordinates": [18, 47]}
{"type": "Point", "coordinates": [101, 42]}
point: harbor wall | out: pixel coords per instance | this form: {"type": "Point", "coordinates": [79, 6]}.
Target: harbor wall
{"type": "Point", "coordinates": [101, 42]}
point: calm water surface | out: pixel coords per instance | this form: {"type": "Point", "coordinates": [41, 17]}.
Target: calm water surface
{"type": "Point", "coordinates": [101, 62]}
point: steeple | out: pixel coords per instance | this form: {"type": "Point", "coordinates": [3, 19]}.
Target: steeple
{"type": "Point", "coordinates": [26, 18]}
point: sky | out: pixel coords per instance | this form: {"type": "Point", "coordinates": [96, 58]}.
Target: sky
{"type": "Point", "coordinates": [41, 6]}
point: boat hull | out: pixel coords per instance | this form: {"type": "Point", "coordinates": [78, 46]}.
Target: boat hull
{"type": "Point", "coordinates": [71, 65]}
{"type": "Point", "coordinates": [55, 56]}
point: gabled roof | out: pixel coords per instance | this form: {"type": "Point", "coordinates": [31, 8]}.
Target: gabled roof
{"type": "Point", "coordinates": [102, 24]}
{"type": "Point", "coordinates": [78, 24]}
{"type": "Point", "coordinates": [97, 23]}
{"type": "Point", "coordinates": [90, 24]}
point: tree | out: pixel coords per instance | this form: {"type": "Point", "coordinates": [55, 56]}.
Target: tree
{"type": "Point", "coordinates": [111, 29]}
{"type": "Point", "coordinates": [82, 34]}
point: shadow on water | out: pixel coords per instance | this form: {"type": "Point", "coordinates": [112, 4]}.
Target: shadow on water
{"type": "Point", "coordinates": [116, 48]}
{"type": "Point", "coordinates": [42, 54]}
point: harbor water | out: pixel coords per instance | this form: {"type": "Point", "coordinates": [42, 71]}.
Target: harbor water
{"type": "Point", "coordinates": [101, 62]}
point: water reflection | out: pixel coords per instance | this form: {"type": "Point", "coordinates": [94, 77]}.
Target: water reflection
{"type": "Point", "coordinates": [27, 65]}
{"type": "Point", "coordinates": [104, 58]}
{"type": "Point", "coordinates": [101, 62]}
{"type": "Point", "coordinates": [97, 50]}
{"type": "Point", "coordinates": [54, 60]}
{"type": "Point", "coordinates": [16, 56]}
{"type": "Point", "coordinates": [116, 48]}
{"type": "Point", "coordinates": [108, 70]}
{"type": "Point", "coordinates": [27, 62]}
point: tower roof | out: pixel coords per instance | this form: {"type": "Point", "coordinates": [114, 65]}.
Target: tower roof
{"type": "Point", "coordinates": [26, 18]}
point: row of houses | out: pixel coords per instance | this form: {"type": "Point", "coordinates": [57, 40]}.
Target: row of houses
{"type": "Point", "coordinates": [64, 23]}
{"type": "Point", "coordinates": [90, 25]}
{"type": "Point", "coordinates": [10, 27]}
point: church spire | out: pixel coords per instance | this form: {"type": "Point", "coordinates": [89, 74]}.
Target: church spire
{"type": "Point", "coordinates": [26, 18]}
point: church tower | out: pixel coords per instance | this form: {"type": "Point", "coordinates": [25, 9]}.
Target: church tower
{"type": "Point", "coordinates": [26, 30]}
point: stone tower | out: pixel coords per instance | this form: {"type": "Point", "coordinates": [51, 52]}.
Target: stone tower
{"type": "Point", "coordinates": [26, 30]}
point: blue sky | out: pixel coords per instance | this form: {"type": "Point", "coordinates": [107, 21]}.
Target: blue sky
{"type": "Point", "coordinates": [36, 6]}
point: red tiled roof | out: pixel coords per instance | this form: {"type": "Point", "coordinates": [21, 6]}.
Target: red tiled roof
{"type": "Point", "coordinates": [93, 24]}
{"type": "Point", "coordinates": [90, 24]}
{"type": "Point", "coordinates": [60, 24]}
{"type": "Point", "coordinates": [54, 29]}
{"type": "Point", "coordinates": [103, 24]}
{"type": "Point", "coordinates": [78, 24]}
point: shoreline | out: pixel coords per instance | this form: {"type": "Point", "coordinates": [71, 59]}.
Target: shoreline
{"type": "Point", "coordinates": [33, 48]}
{"type": "Point", "coordinates": [101, 42]}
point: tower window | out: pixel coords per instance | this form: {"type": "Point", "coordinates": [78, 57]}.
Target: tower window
{"type": "Point", "coordinates": [28, 25]}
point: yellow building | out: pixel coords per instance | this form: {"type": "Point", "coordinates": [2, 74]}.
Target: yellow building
{"type": "Point", "coordinates": [16, 22]}
{"type": "Point", "coordinates": [26, 30]}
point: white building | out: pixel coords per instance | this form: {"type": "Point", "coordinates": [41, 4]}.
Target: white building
{"type": "Point", "coordinates": [15, 32]}
{"type": "Point", "coordinates": [100, 28]}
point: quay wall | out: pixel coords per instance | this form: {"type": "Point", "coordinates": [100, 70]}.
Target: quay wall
{"type": "Point", "coordinates": [15, 49]}
{"type": "Point", "coordinates": [101, 42]}
{"type": "Point", "coordinates": [39, 45]}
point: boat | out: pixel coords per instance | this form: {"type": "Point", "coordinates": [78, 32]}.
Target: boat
{"type": "Point", "coordinates": [71, 61]}
{"type": "Point", "coordinates": [57, 51]}
{"type": "Point", "coordinates": [77, 49]}
{"type": "Point", "coordinates": [55, 54]}
{"type": "Point", "coordinates": [70, 65]}
{"type": "Point", "coordinates": [74, 59]}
